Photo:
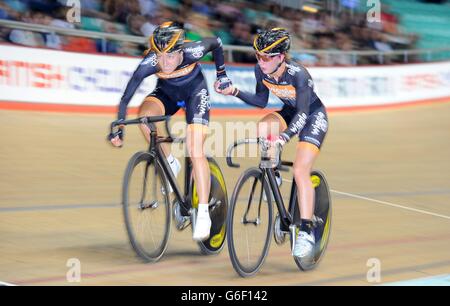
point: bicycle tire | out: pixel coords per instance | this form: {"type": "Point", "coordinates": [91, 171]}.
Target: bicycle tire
{"type": "Point", "coordinates": [255, 174]}
{"type": "Point", "coordinates": [138, 247]}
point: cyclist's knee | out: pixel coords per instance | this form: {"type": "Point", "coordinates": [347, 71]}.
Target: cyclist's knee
{"type": "Point", "coordinates": [195, 149]}
{"type": "Point", "coordinates": [195, 138]}
{"type": "Point", "coordinates": [151, 106]}
{"type": "Point", "coordinates": [306, 155]}
{"type": "Point", "coordinates": [302, 169]}
{"type": "Point", "coordinates": [269, 125]}
{"type": "Point", "coordinates": [149, 111]}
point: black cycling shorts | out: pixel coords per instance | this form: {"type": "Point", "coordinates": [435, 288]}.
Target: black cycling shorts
{"type": "Point", "coordinates": [193, 96]}
{"type": "Point", "coordinates": [316, 125]}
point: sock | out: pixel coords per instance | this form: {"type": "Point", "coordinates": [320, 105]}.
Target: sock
{"type": "Point", "coordinates": [203, 209]}
{"type": "Point", "coordinates": [306, 226]}
{"type": "Point", "coordinates": [170, 158]}
{"type": "Point", "coordinates": [278, 177]}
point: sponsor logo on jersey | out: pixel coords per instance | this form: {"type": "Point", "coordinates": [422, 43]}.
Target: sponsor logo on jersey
{"type": "Point", "coordinates": [152, 60]}
{"type": "Point", "coordinates": [281, 91]}
{"type": "Point", "coordinates": [298, 125]}
{"type": "Point", "coordinates": [196, 52]}
{"type": "Point", "coordinates": [320, 124]}
{"type": "Point", "coordinates": [292, 69]}
{"type": "Point", "coordinates": [204, 104]}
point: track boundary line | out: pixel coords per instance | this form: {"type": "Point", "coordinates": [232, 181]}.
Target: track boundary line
{"type": "Point", "coordinates": [392, 204]}
{"type": "Point", "coordinates": [386, 203]}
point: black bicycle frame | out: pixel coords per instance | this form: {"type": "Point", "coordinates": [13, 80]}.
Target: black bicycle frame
{"type": "Point", "coordinates": [289, 216]}
{"type": "Point", "coordinates": [156, 152]}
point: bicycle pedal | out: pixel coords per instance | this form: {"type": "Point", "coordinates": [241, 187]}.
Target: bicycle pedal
{"type": "Point", "coordinates": [279, 234]}
{"type": "Point", "coordinates": [152, 205]}
{"type": "Point", "coordinates": [317, 221]}
{"type": "Point", "coordinates": [181, 222]}
{"type": "Point", "coordinates": [213, 204]}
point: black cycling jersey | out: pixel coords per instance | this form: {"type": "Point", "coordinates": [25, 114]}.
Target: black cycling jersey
{"type": "Point", "coordinates": [183, 76]}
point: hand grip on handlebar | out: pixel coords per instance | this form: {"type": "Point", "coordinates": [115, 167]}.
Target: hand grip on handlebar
{"type": "Point", "coordinates": [113, 135]}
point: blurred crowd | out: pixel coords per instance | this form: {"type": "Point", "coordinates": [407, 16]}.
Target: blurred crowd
{"type": "Point", "coordinates": [234, 21]}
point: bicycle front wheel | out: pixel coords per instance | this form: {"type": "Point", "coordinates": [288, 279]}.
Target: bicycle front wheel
{"type": "Point", "coordinates": [146, 208]}
{"type": "Point", "coordinates": [249, 223]}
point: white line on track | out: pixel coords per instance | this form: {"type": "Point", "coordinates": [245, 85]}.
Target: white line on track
{"type": "Point", "coordinates": [386, 203]}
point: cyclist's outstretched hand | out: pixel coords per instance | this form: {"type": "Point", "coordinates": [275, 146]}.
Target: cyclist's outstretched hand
{"type": "Point", "coordinates": [223, 84]}
{"type": "Point", "coordinates": [227, 91]}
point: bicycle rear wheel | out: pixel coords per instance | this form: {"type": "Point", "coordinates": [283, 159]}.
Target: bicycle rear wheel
{"type": "Point", "coordinates": [218, 209]}
{"type": "Point", "coordinates": [249, 223]}
{"type": "Point", "coordinates": [146, 209]}
{"type": "Point", "coordinates": [321, 220]}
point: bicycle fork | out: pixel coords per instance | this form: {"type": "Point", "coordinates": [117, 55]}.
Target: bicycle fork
{"type": "Point", "coordinates": [153, 204]}
{"type": "Point", "coordinates": [256, 221]}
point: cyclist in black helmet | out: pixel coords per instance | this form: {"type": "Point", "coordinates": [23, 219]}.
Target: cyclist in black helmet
{"type": "Point", "coordinates": [180, 84]}
{"type": "Point", "coordinates": [303, 114]}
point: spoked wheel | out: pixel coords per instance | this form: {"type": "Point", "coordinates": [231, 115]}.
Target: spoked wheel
{"type": "Point", "coordinates": [146, 208]}
{"type": "Point", "coordinates": [218, 208]}
{"type": "Point", "coordinates": [321, 220]}
{"type": "Point", "coordinates": [249, 223]}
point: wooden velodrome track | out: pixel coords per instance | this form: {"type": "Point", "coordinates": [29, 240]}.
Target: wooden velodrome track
{"type": "Point", "coordinates": [389, 172]}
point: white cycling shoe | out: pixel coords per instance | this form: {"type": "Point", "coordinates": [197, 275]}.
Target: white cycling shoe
{"type": "Point", "coordinates": [203, 223]}
{"type": "Point", "coordinates": [304, 245]}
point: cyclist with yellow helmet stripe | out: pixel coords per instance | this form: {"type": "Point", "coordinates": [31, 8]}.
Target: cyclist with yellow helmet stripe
{"type": "Point", "coordinates": [303, 114]}
{"type": "Point", "coordinates": [180, 84]}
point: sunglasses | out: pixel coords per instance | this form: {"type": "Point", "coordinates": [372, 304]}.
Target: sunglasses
{"type": "Point", "coordinates": [264, 58]}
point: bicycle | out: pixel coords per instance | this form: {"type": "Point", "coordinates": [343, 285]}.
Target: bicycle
{"type": "Point", "coordinates": [250, 210]}
{"type": "Point", "coordinates": [146, 204]}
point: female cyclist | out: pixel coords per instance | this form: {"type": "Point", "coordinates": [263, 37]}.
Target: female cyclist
{"type": "Point", "coordinates": [180, 83]}
{"type": "Point", "coordinates": [303, 114]}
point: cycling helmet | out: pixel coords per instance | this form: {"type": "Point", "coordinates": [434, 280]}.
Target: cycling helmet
{"type": "Point", "coordinates": [168, 37]}
{"type": "Point", "coordinates": [272, 42]}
